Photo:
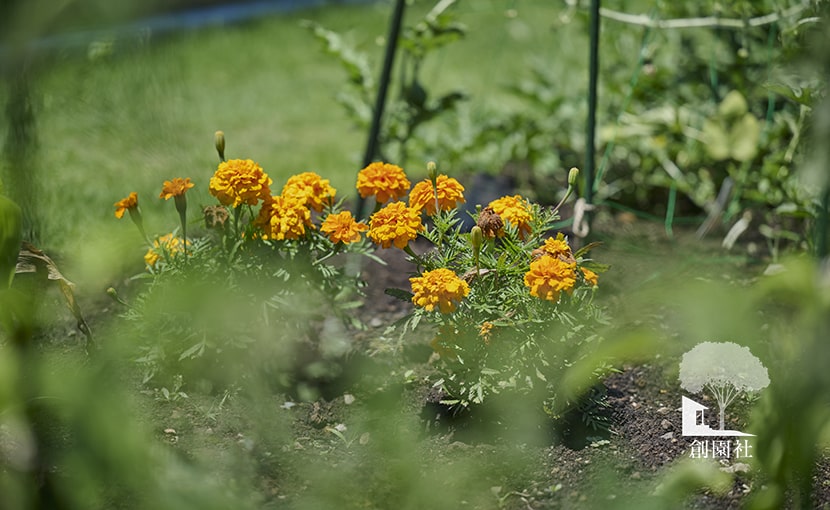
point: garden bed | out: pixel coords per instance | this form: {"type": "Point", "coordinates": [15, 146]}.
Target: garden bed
{"type": "Point", "coordinates": [375, 439]}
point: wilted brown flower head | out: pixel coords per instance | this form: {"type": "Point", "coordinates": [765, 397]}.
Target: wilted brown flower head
{"type": "Point", "coordinates": [216, 217]}
{"type": "Point", "coordinates": [489, 222]}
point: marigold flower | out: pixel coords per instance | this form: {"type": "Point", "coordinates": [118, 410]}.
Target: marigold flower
{"type": "Point", "coordinates": [396, 223]}
{"type": "Point", "coordinates": [175, 188]}
{"type": "Point", "coordinates": [383, 180]}
{"type": "Point", "coordinates": [283, 217]}
{"type": "Point", "coordinates": [516, 210]}
{"type": "Point", "coordinates": [484, 331]}
{"type": "Point", "coordinates": [449, 192]}
{"type": "Point", "coordinates": [590, 276]}
{"type": "Point", "coordinates": [548, 276]}
{"type": "Point", "coordinates": [441, 288]}
{"type": "Point", "coordinates": [240, 181]}
{"type": "Point", "coordinates": [556, 247]}
{"type": "Point", "coordinates": [311, 188]}
{"type": "Point", "coordinates": [126, 204]}
{"type": "Point", "coordinates": [342, 228]}
{"type": "Point", "coordinates": [166, 243]}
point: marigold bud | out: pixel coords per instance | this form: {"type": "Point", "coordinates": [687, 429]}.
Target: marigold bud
{"type": "Point", "coordinates": [432, 171]}
{"type": "Point", "coordinates": [572, 176]}
{"type": "Point", "coordinates": [476, 237]}
{"type": "Point", "coordinates": [219, 142]}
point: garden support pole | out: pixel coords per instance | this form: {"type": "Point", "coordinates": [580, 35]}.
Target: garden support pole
{"type": "Point", "coordinates": [383, 85]}
{"type": "Point", "coordinates": [593, 76]}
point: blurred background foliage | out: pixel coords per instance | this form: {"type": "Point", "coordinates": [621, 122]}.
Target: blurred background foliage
{"type": "Point", "coordinates": [78, 432]}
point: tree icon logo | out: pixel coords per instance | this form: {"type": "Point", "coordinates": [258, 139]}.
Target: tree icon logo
{"type": "Point", "coordinates": [724, 369]}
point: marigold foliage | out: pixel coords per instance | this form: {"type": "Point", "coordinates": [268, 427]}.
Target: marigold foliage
{"type": "Point", "coordinates": [125, 204]}
{"type": "Point", "coordinates": [548, 276]}
{"type": "Point", "coordinates": [449, 192]}
{"type": "Point", "coordinates": [175, 188]}
{"type": "Point", "coordinates": [516, 210]}
{"type": "Point", "coordinates": [440, 287]}
{"type": "Point", "coordinates": [383, 181]}
{"type": "Point", "coordinates": [166, 243]}
{"type": "Point", "coordinates": [283, 217]}
{"type": "Point", "coordinates": [240, 181]}
{"type": "Point", "coordinates": [310, 188]}
{"type": "Point", "coordinates": [395, 224]}
{"type": "Point", "coordinates": [343, 228]}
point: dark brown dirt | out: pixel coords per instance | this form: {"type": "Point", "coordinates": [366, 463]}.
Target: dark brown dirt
{"type": "Point", "coordinates": [645, 436]}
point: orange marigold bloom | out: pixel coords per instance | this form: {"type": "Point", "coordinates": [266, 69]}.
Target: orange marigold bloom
{"type": "Point", "coordinates": [441, 288]}
{"type": "Point", "coordinates": [166, 243]}
{"type": "Point", "coordinates": [548, 276]}
{"type": "Point", "coordinates": [590, 276]}
{"type": "Point", "coordinates": [450, 193]}
{"type": "Point", "coordinates": [342, 228]}
{"type": "Point", "coordinates": [283, 217]}
{"type": "Point", "coordinates": [516, 210]}
{"type": "Point", "coordinates": [123, 205]}
{"type": "Point", "coordinates": [240, 181]}
{"type": "Point", "coordinates": [558, 247]}
{"type": "Point", "coordinates": [396, 223]}
{"type": "Point", "coordinates": [311, 188]}
{"type": "Point", "coordinates": [175, 188]}
{"type": "Point", "coordinates": [383, 180]}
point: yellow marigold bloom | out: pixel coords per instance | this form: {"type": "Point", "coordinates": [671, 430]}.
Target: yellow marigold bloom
{"type": "Point", "coordinates": [283, 217]}
{"type": "Point", "coordinates": [441, 288]}
{"type": "Point", "coordinates": [123, 205]}
{"type": "Point", "coordinates": [240, 181]}
{"type": "Point", "coordinates": [396, 223]}
{"type": "Point", "coordinates": [590, 276]}
{"type": "Point", "coordinates": [175, 188]}
{"type": "Point", "coordinates": [484, 331]}
{"type": "Point", "coordinates": [548, 276]}
{"type": "Point", "coordinates": [558, 247]}
{"type": "Point", "coordinates": [450, 193]}
{"type": "Point", "coordinates": [516, 210]}
{"type": "Point", "coordinates": [314, 190]}
{"type": "Point", "coordinates": [342, 228]}
{"type": "Point", "coordinates": [383, 180]}
{"type": "Point", "coordinates": [166, 243]}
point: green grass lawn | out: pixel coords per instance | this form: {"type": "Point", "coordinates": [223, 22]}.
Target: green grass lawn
{"type": "Point", "coordinates": [148, 113]}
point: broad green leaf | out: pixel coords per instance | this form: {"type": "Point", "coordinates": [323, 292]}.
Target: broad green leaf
{"type": "Point", "coordinates": [401, 294]}
{"type": "Point", "coordinates": [733, 105]}
{"type": "Point", "coordinates": [11, 235]}
{"type": "Point", "coordinates": [744, 138]}
{"type": "Point", "coordinates": [717, 141]}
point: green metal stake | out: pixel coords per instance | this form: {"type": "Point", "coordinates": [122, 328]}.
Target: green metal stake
{"type": "Point", "coordinates": [383, 85]}
{"type": "Point", "coordinates": [670, 209]}
{"type": "Point", "coordinates": [593, 76]}
{"type": "Point", "coordinates": [823, 225]}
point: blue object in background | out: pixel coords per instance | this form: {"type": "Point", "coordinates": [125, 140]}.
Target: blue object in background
{"type": "Point", "coordinates": [185, 16]}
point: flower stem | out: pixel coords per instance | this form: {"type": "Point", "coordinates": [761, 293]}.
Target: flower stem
{"type": "Point", "coordinates": [181, 207]}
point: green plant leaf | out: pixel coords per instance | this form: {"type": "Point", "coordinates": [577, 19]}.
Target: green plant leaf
{"type": "Point", "coordinates": [743, 138]}
{"type": "Point", "coordinates": [401, 294]}
{"type": "Point", "coordinates": [717, 142]}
